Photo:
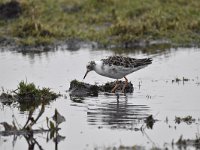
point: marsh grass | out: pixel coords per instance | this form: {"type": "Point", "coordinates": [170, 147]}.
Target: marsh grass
{"type": "Point", "coordinates": [28, 96]}
{"type": "Point", "coordinates": [104, 21]}
{"type": "Point", "coordinates": [28, 91]}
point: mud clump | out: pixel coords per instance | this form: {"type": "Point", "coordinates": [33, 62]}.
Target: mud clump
{"type": "Point", "coordinates": [187, 119]}
{"type": "Point", "coordinates": [109, 86]}
{"type": "Point", "coordinates": [10, 10]}
{"type": "Point", "coordinates": [81, 89]}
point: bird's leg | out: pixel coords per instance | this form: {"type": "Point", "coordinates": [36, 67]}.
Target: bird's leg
{"type": "Point", "coordinates": [125, 85]}
{"type": "Point", "coordinates": [115, 87]}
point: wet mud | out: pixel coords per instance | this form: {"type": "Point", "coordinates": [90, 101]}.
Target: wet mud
{"type": "Point", "coordinates": [81, 89]}
{"type": "Point", "coordinates": [77, 44]}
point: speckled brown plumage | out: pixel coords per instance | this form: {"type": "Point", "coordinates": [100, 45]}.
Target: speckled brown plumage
{"type": "Point", "coordinates": [127, 62]}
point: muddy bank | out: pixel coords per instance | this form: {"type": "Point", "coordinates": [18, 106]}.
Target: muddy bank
{"type": "Point", "coordinates": [145, 46]}
{"type": "Point", "coordinates": [76, 44]}
{"type": "Point", "coordinates": [9, 43]}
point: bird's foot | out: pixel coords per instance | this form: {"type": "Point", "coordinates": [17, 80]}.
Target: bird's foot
{"type": "Point", "coordinates": [115, 87]}
{"type": "Point", "coordinates": [125, 85]}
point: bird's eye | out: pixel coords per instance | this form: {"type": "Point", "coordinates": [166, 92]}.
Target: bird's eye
{"type": "Point", "coordinates": [88, 67]}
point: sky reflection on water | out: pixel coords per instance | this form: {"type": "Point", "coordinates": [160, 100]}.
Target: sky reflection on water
{"type": "Point", "coordinates": [101, 121]}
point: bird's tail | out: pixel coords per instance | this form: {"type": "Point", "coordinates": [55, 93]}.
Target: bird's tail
{"type": "Point", "coordinates": [147, 61]}
{"type": "Point", "coordinates": [143, 62]}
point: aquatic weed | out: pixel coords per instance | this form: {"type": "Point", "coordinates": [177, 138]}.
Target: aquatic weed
{"type": "Point", "coordinates": [28, 91]}
{"type": "Point", "coordinates": [28, 96]}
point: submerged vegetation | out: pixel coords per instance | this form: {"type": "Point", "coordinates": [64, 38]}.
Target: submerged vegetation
{"type": "Point", "coordinates": [27, 131]}
{"type": "Point", "coordinates": [187, 119]}
{"type": "Point", "coordinates": [185, 143]}
{"type": "Point", "coordinates": [106, 22]}
{"type": "Point", "coordinates": [31, 99]}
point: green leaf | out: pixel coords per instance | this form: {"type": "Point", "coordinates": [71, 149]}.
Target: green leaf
{"type": "Point", "coordinates": [58, 118]}
{"type": "Point", "coordinates": [47, 120]}
{"type": "Point", "coordinates": [52, 134]}
{"type": "Point", "coordinates": [52, 126]}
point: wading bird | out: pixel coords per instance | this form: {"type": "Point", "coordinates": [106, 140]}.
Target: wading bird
{"type": "Point", "coordinates": [117, 67]}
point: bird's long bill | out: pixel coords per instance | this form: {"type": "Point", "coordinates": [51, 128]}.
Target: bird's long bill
{"type": "Point", "coordinates": [85, 74]}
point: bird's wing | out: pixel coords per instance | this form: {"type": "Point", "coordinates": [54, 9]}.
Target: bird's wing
{"type": "Point", "coordinates": [126, 62]}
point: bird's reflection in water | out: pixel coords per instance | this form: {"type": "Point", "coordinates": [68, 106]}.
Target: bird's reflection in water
{"type": "Point", "coordinates": [118, 113]}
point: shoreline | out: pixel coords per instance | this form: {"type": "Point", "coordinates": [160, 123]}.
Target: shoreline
{"type": "Point", "coordinates": [76, 44]}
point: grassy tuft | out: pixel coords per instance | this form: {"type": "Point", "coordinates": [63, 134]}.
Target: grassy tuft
{"type": "Point", "coordinates": [28, 91]}
{"type": "Point", "coordinates": [28, 96]}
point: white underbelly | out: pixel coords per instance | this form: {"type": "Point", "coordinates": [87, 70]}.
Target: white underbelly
{"type": "Point", "coordinates": [115, 73]}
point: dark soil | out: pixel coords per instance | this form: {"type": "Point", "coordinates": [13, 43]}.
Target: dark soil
{"type": "Point", "coordinates": [109, 86]}
{"type": "Point", "coordinates": [81, 89]}
{"type": "Point", "coordinates": [10, 10]}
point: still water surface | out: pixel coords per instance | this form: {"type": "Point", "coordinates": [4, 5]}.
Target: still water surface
{"type": "Point", "coordinates": [102, 122]}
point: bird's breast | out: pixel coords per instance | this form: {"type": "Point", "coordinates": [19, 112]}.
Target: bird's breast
{"type": "Point", "coordinates": [111, 71]}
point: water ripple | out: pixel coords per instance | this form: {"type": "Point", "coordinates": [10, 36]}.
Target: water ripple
{"type": "Point", "coordinates": [117, 114]}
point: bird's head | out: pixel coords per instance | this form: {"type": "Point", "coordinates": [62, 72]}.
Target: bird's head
{"type": "Point", "coordinates": [89, 67]}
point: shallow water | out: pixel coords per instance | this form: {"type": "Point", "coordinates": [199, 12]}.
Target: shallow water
{"type": "Point", "coordinates": [104, 122]}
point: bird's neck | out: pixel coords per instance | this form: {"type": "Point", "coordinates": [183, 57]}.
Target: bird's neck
{"type": "Point", "coordinates": [98, 67]}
